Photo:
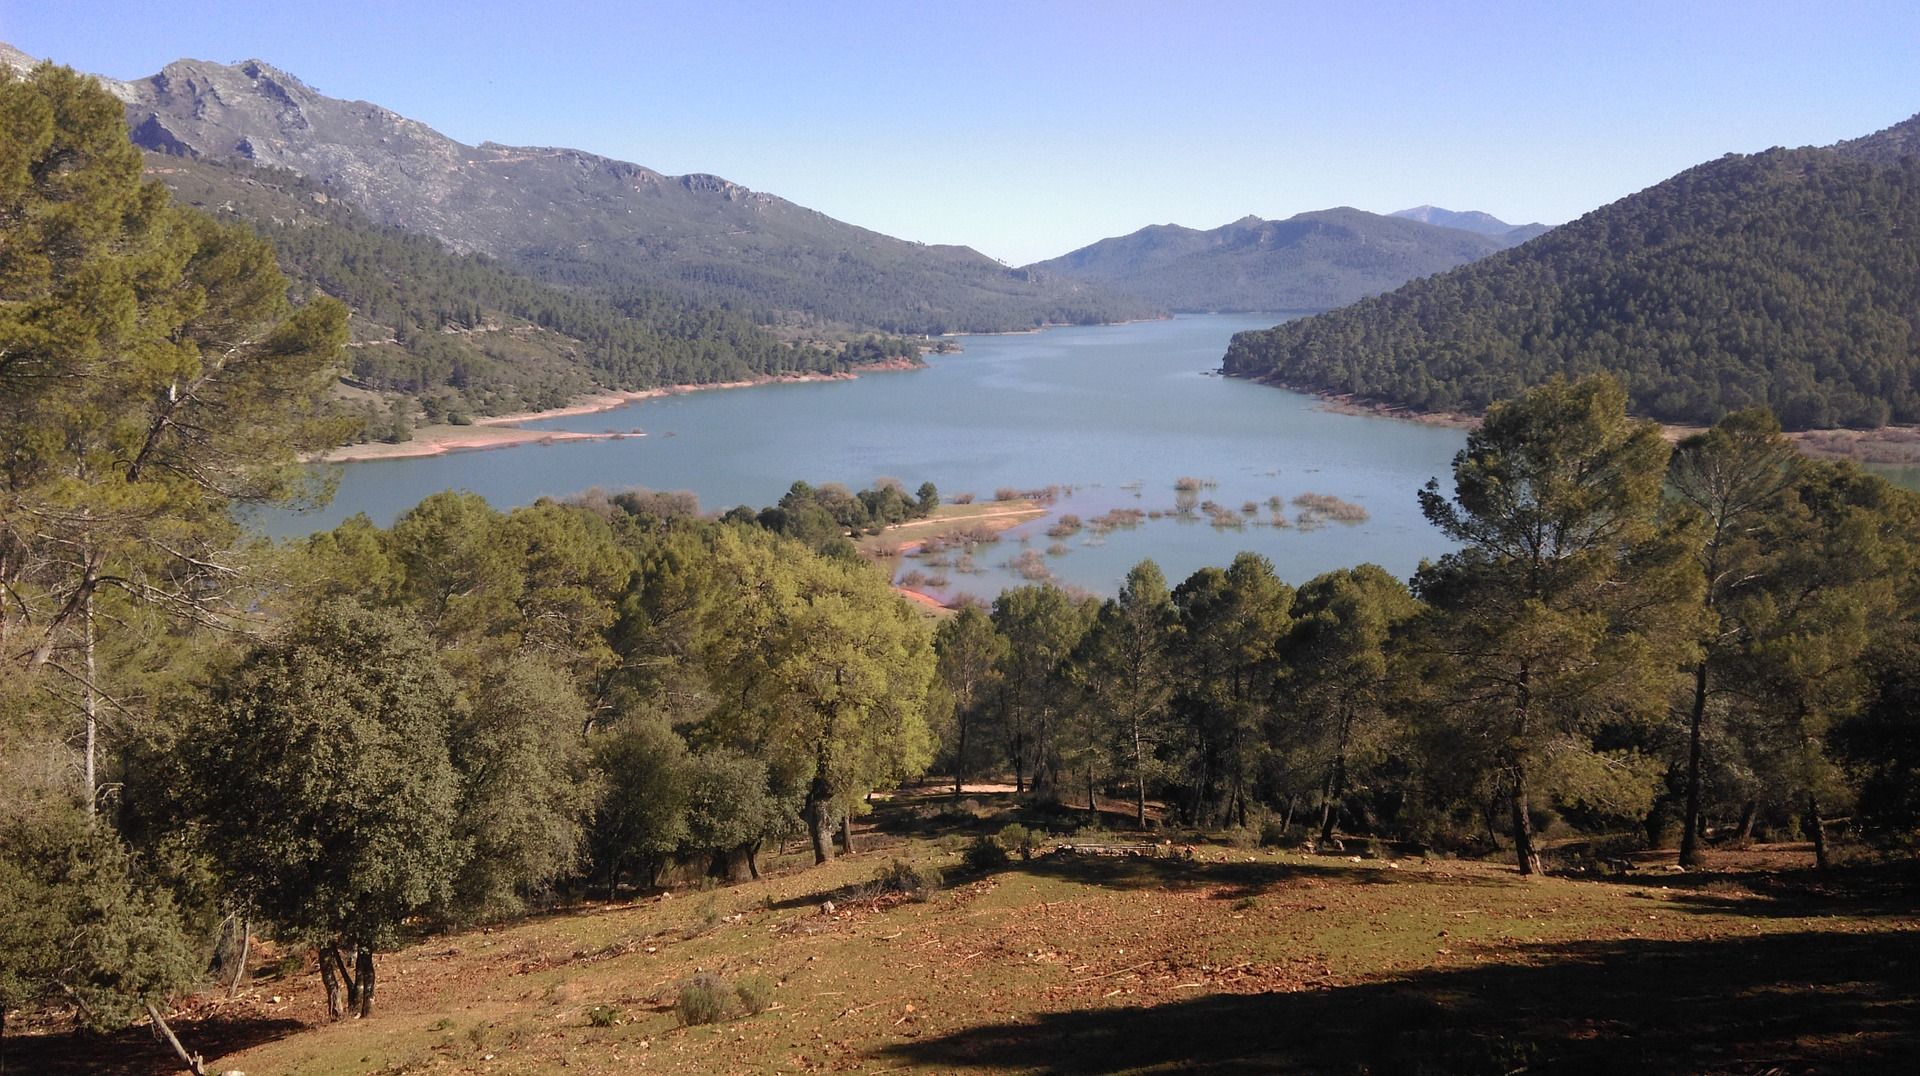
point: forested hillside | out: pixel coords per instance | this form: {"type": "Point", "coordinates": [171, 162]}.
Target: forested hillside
{"type": "Point", "coordinates": [468, 336]}
{"type": "Point", "coordinates": [1788, 279]}
{"type": "Point", "coordinates": [1310, 261]}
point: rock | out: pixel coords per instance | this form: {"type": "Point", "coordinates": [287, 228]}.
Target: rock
{"type": "Point", "coordinates": [826, 907]}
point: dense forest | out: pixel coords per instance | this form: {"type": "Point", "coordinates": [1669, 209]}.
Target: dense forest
{"type": "Point", "coordinates": [466, 335]}
{"type": "Point", "coordinates": [1787, 279]}
{"type": "Point", "coordinates": [373, 733]}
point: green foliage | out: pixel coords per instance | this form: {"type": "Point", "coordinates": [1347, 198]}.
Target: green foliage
{"type": "Point", "coordinates": [1227, 652]}
{"type": "Point", "coordinates": [604, 1015]}
{"type": "Point", "coordinates": [1785, 279]}
{"type": "Point", "coordinates": [324, 787]}
{"type": "Point", "coordinates": [755, 993]}
{"type": "Point", "coordinates": [527, 789]}
{"type": "Point", "coordinates": [77, 922]}
{"type": "Point", "coordinates": [968, 654]}
{"type": "Point", "coordinates": [985, 853]}
{"type": "Point", "coordinates": [1018, 840]}
{"type": "Point", "coordinates": [703, 999]}
{"type": "Point", "coordinates": [1567, 606]}
{"type": "Point", "coordinates": [642, 817]}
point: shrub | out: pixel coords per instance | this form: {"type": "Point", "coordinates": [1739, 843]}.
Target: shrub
{"type": "Point", "coordinates": [902, 877]}
{"type": "Point", "coordinates": [755, 993]}
{"type": "Point", "coordinates": [703, 1000]}
{"type": "Point", "coordinates": [603, 1016]}
{"type": "Point", "coordinates": [1272, 833]}
{"type": "Point", "coordinates": [985, 854]}
{"type": "Point", "coordinates": [1015, 837]}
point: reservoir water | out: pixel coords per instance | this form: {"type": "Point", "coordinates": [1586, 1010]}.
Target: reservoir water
{"type": "Point", "coordinates": [1118, 413]}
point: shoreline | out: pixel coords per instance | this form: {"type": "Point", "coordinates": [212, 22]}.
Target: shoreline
{"type": "Point", "coordinates": [1886, 446]}
{"type": "Point", "coordinates": [506, 431]}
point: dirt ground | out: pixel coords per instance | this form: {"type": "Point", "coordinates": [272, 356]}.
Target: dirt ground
{"type": "Point", "coordinates": [1240, 960]}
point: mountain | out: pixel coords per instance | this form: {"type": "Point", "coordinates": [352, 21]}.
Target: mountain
{"type": "Point", "coordinates": [1312, 261]}
{"type": "Point", "coordinates": [463, 334]}
{"type": "Point", "coordinates": [1473, 220]}
{"type": "Point", "coordinates": [577, 219]}
{"type": "Point", "coordinates": [1789, 278]}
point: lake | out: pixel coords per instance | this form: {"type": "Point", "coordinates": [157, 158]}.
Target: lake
{"type": "Point", "coordinates": [1117, 412]}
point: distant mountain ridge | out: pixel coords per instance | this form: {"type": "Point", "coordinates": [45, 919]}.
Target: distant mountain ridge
{"type": "Point", "coordinates": [1788, 279]}
{"type": "Point", "coordinates": [1472, 220]}
{"type": "Point", "coordinates": [1310, 261]}
{"type": "Point", "coordinates": [577, 218]}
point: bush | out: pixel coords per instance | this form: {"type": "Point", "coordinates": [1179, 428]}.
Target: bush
{"type": "Point", "coordinates": [1272, 833]}
{"type": "Point", "coordinates": [603, 1016]}
{"type": "Point", "coordinates": [755, 993]}
{"type": "Point", "coordinates": [985, 854]}
{"type": "Point", "coordinates": [1018, 838]}
{"type": "Point", "coordinates": [902, 877]}
{"type": "Point", "coordinates": [703, 1000]}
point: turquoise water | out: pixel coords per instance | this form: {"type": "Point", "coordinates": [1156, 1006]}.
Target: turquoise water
{"type": "Point", "coordinates": [1116, 412]}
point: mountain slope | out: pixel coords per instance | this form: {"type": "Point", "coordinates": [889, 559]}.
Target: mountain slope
{"type": "Point", "coordinates": [1789, 278]}
{"type": "Point", "coordinates": [465, 335]}
{"type": "Point", "coordinates": [1312, 261]}
{"type": "Point", "coordinates": [1473, 220]}
{"type": "Point", "coordinates": [581, 219]}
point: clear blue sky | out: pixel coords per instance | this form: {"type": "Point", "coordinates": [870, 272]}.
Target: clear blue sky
{"type": "Point", "coordinates": [1028, 129]}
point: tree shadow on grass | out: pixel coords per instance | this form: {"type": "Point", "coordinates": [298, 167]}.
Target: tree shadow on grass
{"type": "Point", "coordinates": [134, 1050]}
{"type": "Point", "coordinates": [1787, 1003]}
{"type": "Point", "coordinates": [1237, 879]}
{"type": "Point", "coordinates": [1884, 890]}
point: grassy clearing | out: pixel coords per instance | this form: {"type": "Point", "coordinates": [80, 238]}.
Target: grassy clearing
{"type": "Point", "coordinates": [1238, 960]}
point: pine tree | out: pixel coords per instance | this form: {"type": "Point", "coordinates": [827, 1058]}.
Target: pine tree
{"type": "Point", "coordinates": [1566, 609]}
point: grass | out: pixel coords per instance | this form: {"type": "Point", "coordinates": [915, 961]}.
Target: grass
{"type": "Point", "coordinates": [1244, 959]}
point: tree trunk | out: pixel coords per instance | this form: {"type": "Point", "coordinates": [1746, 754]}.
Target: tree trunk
{"type": "Point", "coordinates": [1093, 808]}
{"type": "Point", "coordinates": [846, 832]}
{"type": "Point", "coordinates": [613, 880]}
{"type": "Point", "coordinates": [960, 761]}
{"type": "Point", "coordinates": [193, 1062]}
{"type": "Point", "coordinates": [819, 825]}
{"type": "Point", "coordinates": [1818, 831]}
{"type": "Point", "coordinates": [1139, 779]}
{"type": "Point", "coordinates": [331, 980]}
{"type": "Point", "coordinates": [348, 978]}
{"type": "Point", "coordinates": [92, 706]}
{"type": "Point", "coordinates": [240, 963]}
{"type": "Point", "coordinates": [753, 860]}
{"type": "Point", "coordinates": [1689, 832]}
{"type": "Point", "coordinates": [1747, 814]}
{"type": "Point", "coordinates": [1523, 849]}
{"type": "Point", "coordinates": [363, 977]}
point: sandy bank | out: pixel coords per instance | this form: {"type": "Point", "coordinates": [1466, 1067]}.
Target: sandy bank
{"type": "Point", "coordinates": [505, 431]}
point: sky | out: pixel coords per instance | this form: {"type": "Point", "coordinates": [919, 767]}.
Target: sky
{"type": "Point", "coordinates": [1028, 129]}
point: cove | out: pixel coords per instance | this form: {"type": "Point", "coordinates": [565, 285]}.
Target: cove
{"type": "Point", "coordinates": [1116, 412]}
